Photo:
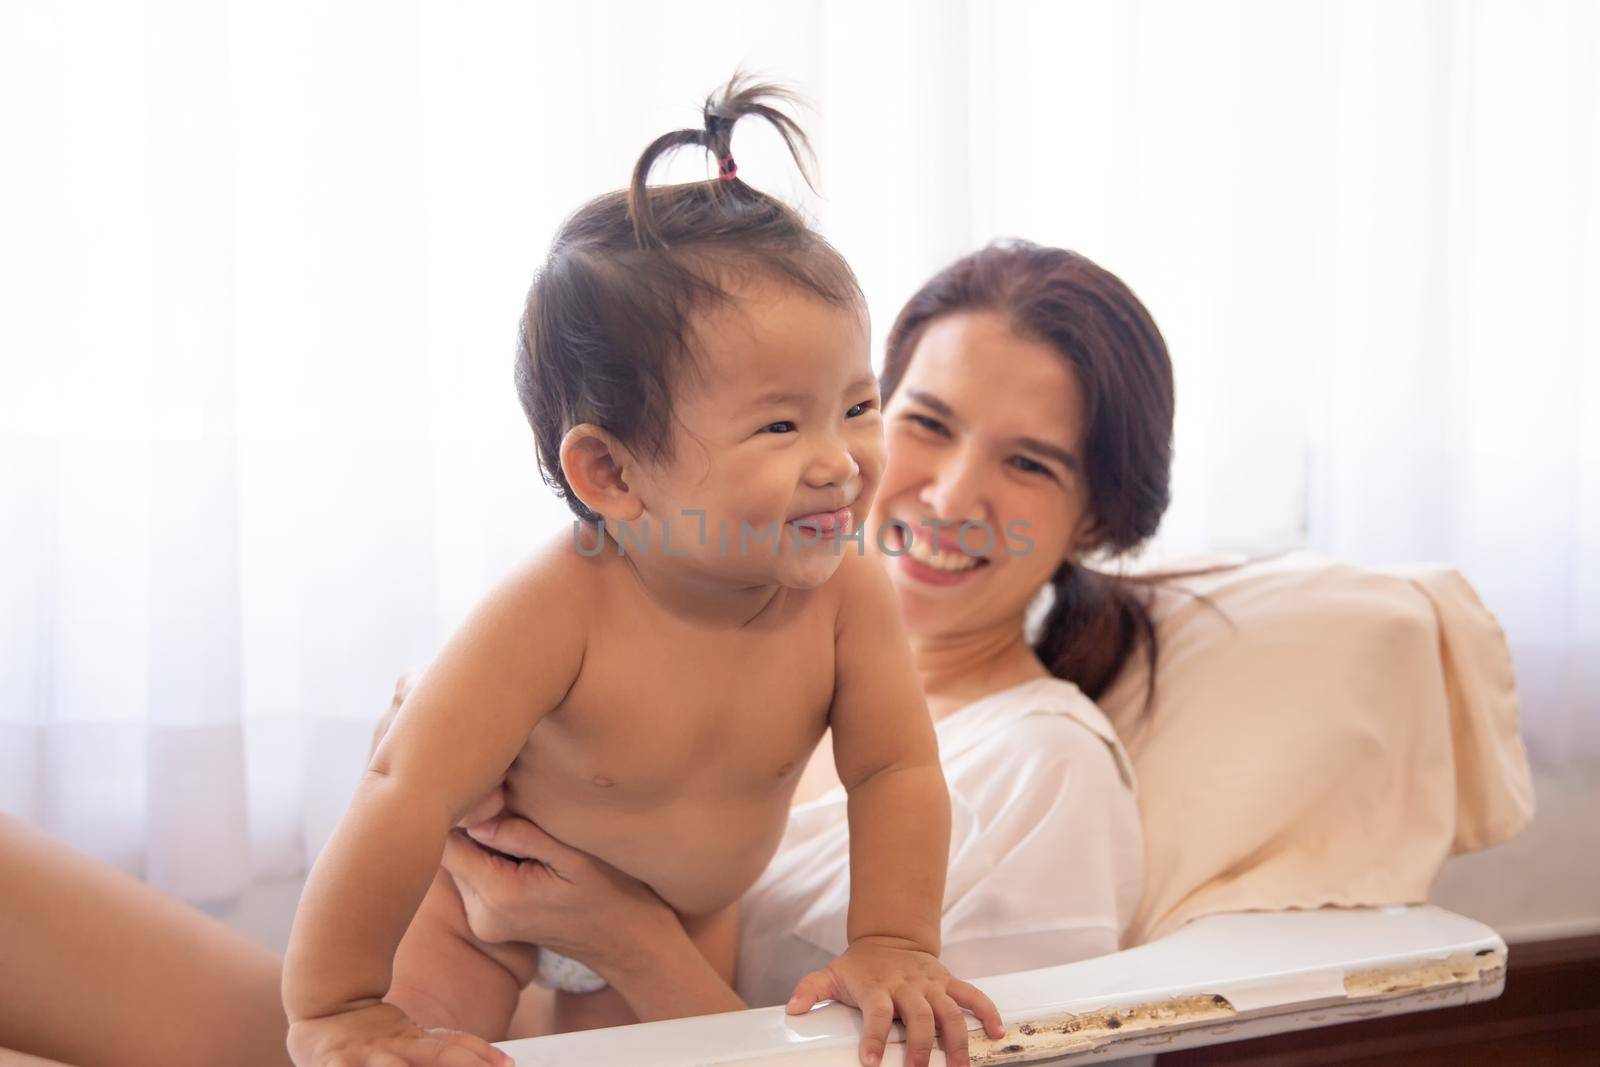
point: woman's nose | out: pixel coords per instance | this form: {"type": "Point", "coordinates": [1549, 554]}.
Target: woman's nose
{"type": "Point", "coordinates": [954, 491]}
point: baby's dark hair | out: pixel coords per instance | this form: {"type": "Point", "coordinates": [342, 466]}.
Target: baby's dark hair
{"type": "Point", "coordinates": [605, 331]}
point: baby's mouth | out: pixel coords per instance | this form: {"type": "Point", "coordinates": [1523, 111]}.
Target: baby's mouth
{"type": "Point", "coordinates": [824, 524]}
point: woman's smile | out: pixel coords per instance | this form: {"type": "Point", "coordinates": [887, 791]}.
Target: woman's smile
{"type": "Point", "coordinates": [932, 562]}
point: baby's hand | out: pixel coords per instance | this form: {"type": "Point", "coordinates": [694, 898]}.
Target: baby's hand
{"type": "Point", "coordinates": [382, 1035]}
{"type": "Point", "coordinates": [885, 977]}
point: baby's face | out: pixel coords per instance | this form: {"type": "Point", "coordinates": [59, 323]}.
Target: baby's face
{"type": "Point", "coordinates": [779, 421]}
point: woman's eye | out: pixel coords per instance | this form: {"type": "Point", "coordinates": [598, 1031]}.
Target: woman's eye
{"type": "Point", "coordinates": [1023, 463]}
{"type": "Point", "coordinates": [778, 427]}
{"type": "Point", "coordinates": [927, 423]}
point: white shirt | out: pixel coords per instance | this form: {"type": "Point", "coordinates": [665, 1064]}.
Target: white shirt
{"type": "Point", "coordinates": [1046, 853]}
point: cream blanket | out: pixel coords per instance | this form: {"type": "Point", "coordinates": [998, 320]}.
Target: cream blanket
{"type": "Point", "coordinates": [1322, 734]}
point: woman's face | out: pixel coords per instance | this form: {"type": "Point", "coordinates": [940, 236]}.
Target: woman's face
{"type": "Point", "coordinates": [986, 427]}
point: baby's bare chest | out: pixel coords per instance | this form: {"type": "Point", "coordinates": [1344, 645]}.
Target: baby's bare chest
{"type": "Point", "coordinates": [675, 753]}
{"type": "Point", "coordinates": [655, 719]}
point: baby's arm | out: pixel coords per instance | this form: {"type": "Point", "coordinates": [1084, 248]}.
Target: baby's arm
{"type": "Point", "coordinates": [888, 762]}
{"type": "Point", "coordinates": [899, 812]}
{"type": "Point", "coordinates": [511, 662]}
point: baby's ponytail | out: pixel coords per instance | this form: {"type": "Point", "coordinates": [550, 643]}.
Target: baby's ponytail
{"type": "Point", "coordinates": [723, 108]}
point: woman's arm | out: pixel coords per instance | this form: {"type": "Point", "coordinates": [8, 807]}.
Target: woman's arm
{"type": "Point", "coordinates": [100, 969]}
{"type": "Point", "coordinates": [533, 888]}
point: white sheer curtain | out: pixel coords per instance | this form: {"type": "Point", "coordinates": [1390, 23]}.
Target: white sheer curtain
{"type": "Point", "coordinates": [1369, 232]}
{"type": "Point", "coordinates": [261, 263]}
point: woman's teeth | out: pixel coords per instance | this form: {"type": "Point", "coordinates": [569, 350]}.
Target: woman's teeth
{"type": "Point", "coordinates": [946, 560]}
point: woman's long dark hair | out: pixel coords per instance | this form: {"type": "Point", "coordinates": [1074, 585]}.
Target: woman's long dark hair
{"type": "Point", "coordinates": [1088, 315]}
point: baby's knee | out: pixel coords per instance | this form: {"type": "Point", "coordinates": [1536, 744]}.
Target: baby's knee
{"type": "Point", "coordinates": [444, 977]}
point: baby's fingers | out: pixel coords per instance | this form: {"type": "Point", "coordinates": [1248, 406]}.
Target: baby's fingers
{"type": "Point", "coordinates": [952, 1030]}
{"type": "Point", "coordinates": [978, 1003]}
{"type": "Point", "coordinates": [877, 1013]}
{"type": "Point", "coordinates": [917, 1016]}
{"type": "Point", "coordinates": [814, 987]}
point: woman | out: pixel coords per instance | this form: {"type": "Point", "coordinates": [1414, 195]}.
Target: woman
{"type": "Point", "coordinates": [1026, 391]}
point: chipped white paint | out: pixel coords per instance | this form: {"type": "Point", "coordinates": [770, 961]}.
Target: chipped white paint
{"type": "Point", "coordinates": [1047, 1040]}
{"type": "Point", "coordinates": [1162, 1025]}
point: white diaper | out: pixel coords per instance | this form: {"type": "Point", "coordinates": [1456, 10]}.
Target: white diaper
{"type": "Point", "coordinates": [566, 974]}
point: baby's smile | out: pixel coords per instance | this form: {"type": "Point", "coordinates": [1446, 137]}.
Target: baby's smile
{"type": "Point", "coordinates": [822, 525]}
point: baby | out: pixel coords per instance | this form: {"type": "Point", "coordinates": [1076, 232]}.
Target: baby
{"type": "Point", "coordinates": [695, 365]}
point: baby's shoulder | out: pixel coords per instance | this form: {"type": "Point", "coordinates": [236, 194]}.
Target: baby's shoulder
{"type": "Point", "coordinates": [859, 585]}
{"type": "Point", "coordinates": [554, 581]}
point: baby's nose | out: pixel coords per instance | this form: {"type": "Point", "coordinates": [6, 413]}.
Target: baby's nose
{"type": "Point", "coordinates": [834, 465]}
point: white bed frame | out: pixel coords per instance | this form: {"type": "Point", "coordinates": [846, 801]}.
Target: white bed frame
{"type": "Point", "coordinates": [1219, 979]}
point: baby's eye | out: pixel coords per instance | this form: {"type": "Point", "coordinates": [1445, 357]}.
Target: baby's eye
{"type": "Point", "coordinates": [770, 427]}
{"type": "Point", "coordinates": [1023, 463]}
{"type": "Point", "coordinates": [858, 409]}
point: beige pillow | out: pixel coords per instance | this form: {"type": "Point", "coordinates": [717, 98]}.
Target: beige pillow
{"type": "Point", "coordinates": [1322, 734]}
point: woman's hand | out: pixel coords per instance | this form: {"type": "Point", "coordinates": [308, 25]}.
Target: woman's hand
{"type": "Point", "coordinates": [884, 977]}
{"type": "Point", "coordinates": [521, 884]}
{"type": "Point", "coordinates": [518, 883]}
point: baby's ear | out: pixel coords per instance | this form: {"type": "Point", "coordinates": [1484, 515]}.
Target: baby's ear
{"type": "Point", "coordinates": [593, 462]}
